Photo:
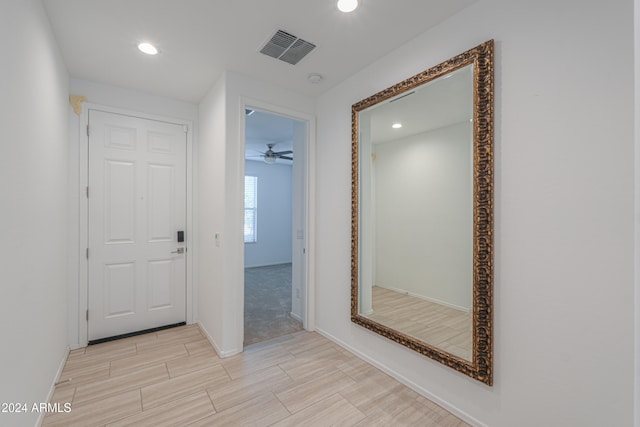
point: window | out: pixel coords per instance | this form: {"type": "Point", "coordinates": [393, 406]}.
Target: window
{"type": "Point", "coordinates": [250, 208]}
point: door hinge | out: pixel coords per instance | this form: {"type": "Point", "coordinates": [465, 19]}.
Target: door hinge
{"type": "Point", "coordinates": [87, 315]}
{"type": "Point", "coordinates": [87, 253]}
{"type": "Point", "coordinates": [87, 130]}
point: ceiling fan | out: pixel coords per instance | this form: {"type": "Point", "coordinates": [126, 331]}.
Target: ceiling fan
{"type": "Point", "coordinates": [270, 156]}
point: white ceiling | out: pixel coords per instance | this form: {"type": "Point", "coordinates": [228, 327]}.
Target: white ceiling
{"type": "Point", "coordinates": [442, 102]}
{"type": "Point", "coordinates": [199, 39]}
{"type": "Point", "coordinates": [264, 128]}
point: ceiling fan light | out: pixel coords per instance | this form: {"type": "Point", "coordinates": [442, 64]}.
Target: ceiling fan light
{"type": "Point", "coordinates": [347, 5]}
{"type": "Point", "coordinates": [269, 159]}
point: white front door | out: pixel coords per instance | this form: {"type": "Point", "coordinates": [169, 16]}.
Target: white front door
{"type": "Point", "coordinates": [137, 206]}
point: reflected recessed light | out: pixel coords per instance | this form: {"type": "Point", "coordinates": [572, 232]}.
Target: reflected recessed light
{"type": "Point", "coordinates": [396, 125]}
{"type": "Point", "coordinates": [347, 5]}
{"type": "Point", "coordinates": [147, 48]}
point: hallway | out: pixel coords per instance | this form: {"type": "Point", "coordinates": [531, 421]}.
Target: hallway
{"type": "Point", "coordinates": [174, 377]}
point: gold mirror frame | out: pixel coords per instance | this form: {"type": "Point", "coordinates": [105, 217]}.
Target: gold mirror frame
{"type": "Point", "coordinates": [481, 365]}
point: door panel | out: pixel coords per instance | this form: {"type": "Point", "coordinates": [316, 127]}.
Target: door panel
{"type": "Point", "coordinates": [119, 289]}
{"type": "Point", "coordinates": [119, 201]}
{"type": "Point", "coordinates": [159, 284]}
{"type": "Point", "coordinates": [120, 137]}
{"type": "Point", "coordinates": [137, 203]}
{"type": "Point", "coordinates": [159, 217]}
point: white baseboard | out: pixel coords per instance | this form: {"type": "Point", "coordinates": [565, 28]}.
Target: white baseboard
{"type": "Point", "coordinates": [295, 316]}
{"type": "Point", "coordinates": [52, 389]}
{"type": "Point", "coordinates": [221, 354]}
{"type": "Point", "coordinates": [437, 301]}
{"type": "Point", "coordinates": [271, 264]}
{"type": "Point", "coordinates": [404, 380]}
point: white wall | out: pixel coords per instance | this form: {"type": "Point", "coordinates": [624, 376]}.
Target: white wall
{"type": "Point", "coordinates": [134, 100]}
{"type": "Point", "coordinates": [125, 99]}
{"type": "Point", "coordinates": [298, 227]}
{"type": "Point", "coordinates": [637, 211]}
{"type": "Point", "coordinates": [424, 223]}
{"type": "Point", "coordinates": [563, 220]}
{"type": "Point", "coordinates": [221, 198]}
{"type": "Point", "coordinates": [210, 196]}
{"type": "Point", "coordinates": [273, 245]}
{"type": "Point", "coordinates": [33, 213]}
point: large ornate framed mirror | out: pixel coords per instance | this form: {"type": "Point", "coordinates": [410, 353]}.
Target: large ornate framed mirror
{"type": "Point", "coordinates": [422, 213]}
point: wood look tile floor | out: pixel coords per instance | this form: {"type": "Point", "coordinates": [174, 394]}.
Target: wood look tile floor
{"type": "Point", "coordinates": [175, 378]}
{"type": "Point", "coordinates": [445, 327]}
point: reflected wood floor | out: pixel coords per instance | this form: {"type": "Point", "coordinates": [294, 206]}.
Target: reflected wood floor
{"type": "Point", "coordinates": [436, 324]}
{"type": "Point", "coordinates": [175, 378]}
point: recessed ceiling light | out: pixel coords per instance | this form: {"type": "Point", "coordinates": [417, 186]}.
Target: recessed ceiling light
{"type": "Point", "coordinates": [396, 125]}
{"type": "Point", "coordinates": [347, 5]}
{"type": "Point", "coordinates": [147, 48]}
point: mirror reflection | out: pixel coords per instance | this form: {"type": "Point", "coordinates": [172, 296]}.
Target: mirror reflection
{"type": "Point", "coordinates": [416, 213]}
{"type": "Point", "coordinates": [422, 212]}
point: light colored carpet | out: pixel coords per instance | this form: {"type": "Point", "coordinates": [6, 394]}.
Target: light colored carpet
{"type": "Point", "coordinates": [267, 303]}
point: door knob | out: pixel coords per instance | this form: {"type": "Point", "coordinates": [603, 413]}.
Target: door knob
{"type": "Point", "coordinates": [178, 251]}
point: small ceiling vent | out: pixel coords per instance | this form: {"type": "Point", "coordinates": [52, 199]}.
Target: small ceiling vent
{"type": "Point", "coordinates": [287, 47]}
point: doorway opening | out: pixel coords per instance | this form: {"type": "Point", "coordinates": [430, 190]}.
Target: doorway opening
{"type": "Point", "coordinates": [274, 225]}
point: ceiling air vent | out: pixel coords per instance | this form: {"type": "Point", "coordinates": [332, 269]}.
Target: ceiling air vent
{"type": "Point", "coordinates": [287, 47]}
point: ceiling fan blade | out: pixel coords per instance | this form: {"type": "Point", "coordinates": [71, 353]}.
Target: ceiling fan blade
{"type": "Point", "coordinates": [285, 157]}
{"type": "Point", "coordinates": [283, 152]}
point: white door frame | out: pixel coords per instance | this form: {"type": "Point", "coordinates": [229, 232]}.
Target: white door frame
{"type": "Point", "coordinates": [190, 231]}
{"type": "Point", "coordinates": [309, 320]}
